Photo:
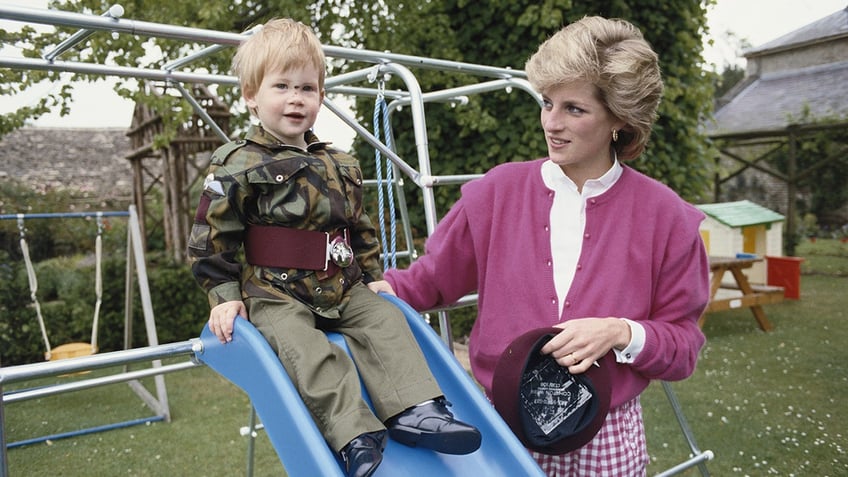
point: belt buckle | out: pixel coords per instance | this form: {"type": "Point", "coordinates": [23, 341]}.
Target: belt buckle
{"type": "Point", "coordinates": [339, 252]}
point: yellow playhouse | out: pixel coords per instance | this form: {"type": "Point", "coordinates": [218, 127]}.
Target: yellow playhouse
{"type": "Point", "coordinates": [743, 227]}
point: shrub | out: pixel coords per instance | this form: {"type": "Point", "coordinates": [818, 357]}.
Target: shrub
{"type": "Point", "coordinates": [18, 328]}
{"type": "Point", "coordinates": [179, 304]}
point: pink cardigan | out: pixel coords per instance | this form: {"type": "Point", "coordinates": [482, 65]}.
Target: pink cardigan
{"type": "Point", "coordinates": [642, 259]}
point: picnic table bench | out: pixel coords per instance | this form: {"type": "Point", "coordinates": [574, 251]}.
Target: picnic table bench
{"type": "Point", "coordinates": [744, 293]}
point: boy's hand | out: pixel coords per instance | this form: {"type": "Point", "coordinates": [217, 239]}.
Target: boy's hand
{"type": "Point", "coordinates": [381, 286]}
{"type": "Point", "coordinates": [222, 316]}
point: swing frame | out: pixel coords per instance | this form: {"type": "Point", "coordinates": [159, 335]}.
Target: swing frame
{"type": "Point", "coordinates": [382, 64]}
{"type": "Point", "coordinates": [136, 269]}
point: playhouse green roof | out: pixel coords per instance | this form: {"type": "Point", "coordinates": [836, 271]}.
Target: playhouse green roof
{"type": "Point", "coordinates": [740, 213]}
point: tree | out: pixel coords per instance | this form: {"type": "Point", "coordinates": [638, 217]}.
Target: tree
{"type": "Point", "coordinates": [731, 73]}
{"type": "Point", "coordinates": [729, 77]}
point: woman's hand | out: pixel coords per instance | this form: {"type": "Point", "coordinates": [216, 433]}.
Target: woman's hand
{"type": "Point", "coordinates": [378, 286]}
{"type": "Point", "coordinates": [585, 340]}
{"type": "Point", "coordinates": [222, 316]}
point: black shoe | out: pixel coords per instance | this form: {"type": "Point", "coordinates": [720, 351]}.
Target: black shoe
{"type": "Point", "coordinates": [433, 427]}
{"type": "Point", "coordinates": [364, 453]}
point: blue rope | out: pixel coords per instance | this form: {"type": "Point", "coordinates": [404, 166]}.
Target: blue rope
{"type": "Point", "coordinates": [389, 250]}
{"type": "Point", "coordinates": [390, 181]}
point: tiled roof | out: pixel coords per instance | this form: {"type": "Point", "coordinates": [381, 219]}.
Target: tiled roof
{"type": "Point", "coordinates": [831, 26]}
{"type": "Point", "coordinates": [774, 100]}
{"type": "Point", "coordinates": [741, 213]}
{"type": "Point", "coordinates": [777, 100]}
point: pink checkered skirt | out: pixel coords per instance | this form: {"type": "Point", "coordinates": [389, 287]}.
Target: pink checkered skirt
{"type": "Point", "coordinates": [618, 450]}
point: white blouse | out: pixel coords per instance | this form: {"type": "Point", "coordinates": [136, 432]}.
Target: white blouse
{"type": "Point", "coordinates": [568, 221]}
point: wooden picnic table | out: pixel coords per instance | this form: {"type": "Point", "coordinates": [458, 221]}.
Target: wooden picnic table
{"type": "Point", "coordinates": [752, 296]}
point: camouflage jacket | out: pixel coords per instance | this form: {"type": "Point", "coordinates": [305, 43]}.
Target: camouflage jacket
{"type": "Point", "coordinates": [258, 180]}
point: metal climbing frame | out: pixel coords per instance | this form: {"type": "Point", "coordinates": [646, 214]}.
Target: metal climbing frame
{"type": "Point", "coordinates": [377, 65]}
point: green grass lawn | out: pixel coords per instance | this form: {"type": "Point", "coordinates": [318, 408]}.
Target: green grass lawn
{"type": "Point", "coordinates": [764, 403]}
{"type": "Point", "coordinates": [768, 403]}
{"type": "Point", "coordinates": [202, 438]}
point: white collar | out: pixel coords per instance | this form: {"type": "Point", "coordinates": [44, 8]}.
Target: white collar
{"type": "Point", "coordinates": [554, 178]}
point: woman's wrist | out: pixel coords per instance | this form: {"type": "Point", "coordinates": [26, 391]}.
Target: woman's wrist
{"type": "Point", "coordinates": [623, 335]}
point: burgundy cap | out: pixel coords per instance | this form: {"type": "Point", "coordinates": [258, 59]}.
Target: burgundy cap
{"type": "Point", "coordinates": [549, 409]}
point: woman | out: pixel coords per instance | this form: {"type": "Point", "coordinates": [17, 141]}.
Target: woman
{"type": "Point", "coordinates": [579, 241]}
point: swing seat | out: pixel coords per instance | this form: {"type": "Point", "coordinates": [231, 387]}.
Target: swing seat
{"type": "Point", "coordinates": [72, 350]}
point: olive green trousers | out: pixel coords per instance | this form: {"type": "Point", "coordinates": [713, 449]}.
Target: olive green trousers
{"type": "Point", "coordinates": [385, 356]}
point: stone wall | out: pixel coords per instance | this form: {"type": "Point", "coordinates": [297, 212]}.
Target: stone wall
{"type": "Point", "coordinates": [87, 160]}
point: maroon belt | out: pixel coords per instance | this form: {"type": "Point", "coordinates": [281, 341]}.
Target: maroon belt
{"type": "Point", "coordinates": [283, 247]}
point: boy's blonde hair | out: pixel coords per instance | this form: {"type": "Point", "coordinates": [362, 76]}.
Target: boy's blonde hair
{"type": "Point", "coordinates": [280, 44]}
{"type": "Point", "coordinates": [612, 55]}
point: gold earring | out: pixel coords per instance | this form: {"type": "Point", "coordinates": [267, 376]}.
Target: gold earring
{"type": "Point", "coordinates": [614, 135]}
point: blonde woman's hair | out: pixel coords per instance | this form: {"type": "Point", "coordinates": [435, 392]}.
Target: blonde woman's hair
{"type": "Point", "coordinates": [280, 44]}
{"type": "Point", "coordinates": [612, 55]}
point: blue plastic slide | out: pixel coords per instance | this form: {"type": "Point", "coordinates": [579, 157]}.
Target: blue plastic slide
{"type": "Point", "coordinates": [249, 363]}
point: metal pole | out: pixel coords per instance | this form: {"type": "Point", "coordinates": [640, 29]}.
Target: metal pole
{"type": "Point", "coordinates": [4, 467]}
{"type": "Point", "coordinates": [82, 432]}
{"type": "Point", "coordinates": [460, 93]}
{"type": "Point", "coordinates": [202, 112]}
{"type": "Point", "coordinates": [251, 440]}
{"type": "Point", "coordinates": [204, 52]}
{"type": "Point", "coordinates": [64, 215]}
{"type": "Point", "coordinates": [371, 139]}
{"type": "Point", "coordinates": [135, 27]}
{"type": "Point", "coordinates": [24, 372]}
{"type": "Point", "coordinates": [147, 307]}
{"type": "Point", "coordinates": [17, 396]}
{"type": "Point", "coordinates": [132, 27]}
{"type": "Point", "coordinates": [381, 57]}
{"type": "Point", "coordinates": [114, 12]}
{"type": "Point", "coordinates": [699, 457]}
{"type": "Point", "coordinates": [122, 71]}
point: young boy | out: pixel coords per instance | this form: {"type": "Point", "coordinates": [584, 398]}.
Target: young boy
{"type": "Point", "coordinates": [295, 206]}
